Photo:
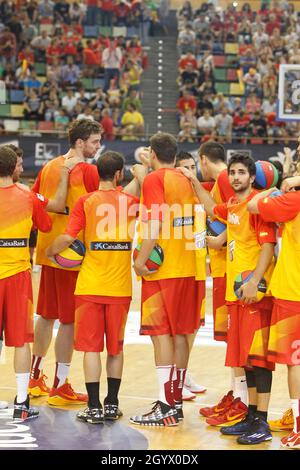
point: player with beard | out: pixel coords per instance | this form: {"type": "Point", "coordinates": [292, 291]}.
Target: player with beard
{"type": "Point", "coordinates": [103, 289]}
{"type": "Point", "coordinates": [250, 247]}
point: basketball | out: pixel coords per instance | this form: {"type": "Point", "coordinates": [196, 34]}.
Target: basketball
{"type": "Point", "coordinates": [266, 175]}
{"type": "Point", "coordinates": [245, 277]}
{"type": "Point", "coordinates": [155, 259]}
{"type": "Point", "coordinates": [72, 256]}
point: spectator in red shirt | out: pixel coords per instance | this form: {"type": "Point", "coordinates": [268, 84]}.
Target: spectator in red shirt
{"type": "Point", "coordinates": [107, 125]}
{"type": "Point", "coordinates": [272, 24]}
{"type": "Point", "coordinates": [107, 9]}
{"type": "Point", "coordinates": [54, 50]}
{"type": "Point", "coordinates": [187, 101]}
{"type": "Point", "coordinates": [27, 54]}
{"type": "Point", "coordinates": [187, 59]}
{"type": "Point", "coordinates": [240, 124]}
{"type": "Point", "coordinates": [122, 11]}
{"type": "Point", "coordinates": [8, 47]}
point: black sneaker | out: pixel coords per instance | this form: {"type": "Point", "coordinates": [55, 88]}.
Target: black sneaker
{"type": "Point", "coordinates": [91, 415]}
{"type": "Point", "coordinates": [179, 409]}
{"type": "Point", "coordinates": [160, 415]}
{"type": "Point", "coordinates": [112, 412]}
{"type": "Point", "coordinates": [259, 432]}
{"type": "Point", "coordinates": [239, 428]}
{"type": "Point", "coordinates": [23, 412]}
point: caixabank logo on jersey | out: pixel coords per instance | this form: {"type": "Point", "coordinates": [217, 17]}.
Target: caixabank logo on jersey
{"type": "Point", "coordinates": [45, 151]}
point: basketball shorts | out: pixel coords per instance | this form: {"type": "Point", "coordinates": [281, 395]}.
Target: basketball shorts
{"type": "Point", "coordinates": [172, 306]}
{"type": "Point", "coordinates": [220, 310]}
{"type": "Point", "coordinates": [284, 339]}
{"type": "Point", "coordinates": [16, 309]}
{"type": "Point", "coordinates": [248, 334]}
{"type": "Point", "coordinates": [56, 300]}
{"type": "Point", "coordinates": [98, 316]}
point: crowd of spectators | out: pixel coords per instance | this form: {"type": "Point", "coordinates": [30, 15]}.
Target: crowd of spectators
{"type": "Point", "coordinates": [51, 34]}
{"type": "Point", "coordinates": [265, 39]}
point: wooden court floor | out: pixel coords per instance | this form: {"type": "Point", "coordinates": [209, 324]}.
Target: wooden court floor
{"type": "Point", "coordinates": [139, 390]}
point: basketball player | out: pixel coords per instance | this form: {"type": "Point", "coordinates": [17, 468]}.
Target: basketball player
{"type": "Point", "coordinates": [19, 209]}
{"type": "Point", "coordinates": [171, 297]}
{"type": "Point", "coordinates": [103, 289]}
{"type": "Point", "coordinates": [213, 167]}
{"type": "Point", "coordinates": [56, 295]}
{"type": "Point", "coordinates": [250, 247]}
{"type": "Point", "coordinates": [283, 345]}
{"type": "Point", "coordinates": [190, 388]}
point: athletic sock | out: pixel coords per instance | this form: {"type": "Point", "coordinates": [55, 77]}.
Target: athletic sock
{"type": "Point", "coordinates": [61, 374]}
{"type": "Point", "coordinates": [113, 386]}
{"type": "Point", "coordinates": [178, 384]}
{"type": "Point", "coordinates": [252, 410]}
{"type": "Point", "coordinates": [22, 387]}
{"type": "Point", "coordinates": [165, 383]}
{"type": "Point", "coordinates": [240, 388]}
{"type": "Point", "coordinates": [36, 367]}
{"type": "Point", "coordinates": [93, 390]}
{"type": "Point", "coordinates": [295, 403]}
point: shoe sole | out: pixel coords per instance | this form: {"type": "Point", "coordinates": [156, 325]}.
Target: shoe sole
{"type": "Point", "coordinates": [253, 443]}
{"type": "Point", "coordinates": [62, 402]}
{"type": "Point", "coordinates": [154, 425]}
{"type": "Point", "coordinates": [35, 393]}
{"type": "Point", "coordinates": [229, 423]}
{"type": "Point", "coordinates": [198, 391]}
{"type": "Point", "coordinates": [189, 399]}
{"type": "Point", "coordinates": [284, 446]}
{"type": "Point", "coordinates": [274, 429]}
{"type": "Point", "coordinates": [83, 420]}
{"type": "Point", "coordinates": [20, 420]}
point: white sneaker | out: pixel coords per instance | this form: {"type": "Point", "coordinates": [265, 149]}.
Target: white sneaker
{"type": "Point", "coordinates": [192, 386]}
{"type": "Point", "coordinates": [3, 405]}
{"type": "Point", "coordinates": [187, 395]}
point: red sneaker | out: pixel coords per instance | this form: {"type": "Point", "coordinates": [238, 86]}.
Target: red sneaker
{"type": "Point", "coordinates": [219, 408]}
{"type": "Point", "coordinates": [232, 415]}
{"type": "Point", "coordinates": [65, 395]}
{"type": "Point", "coordinates": [38, 387]}
{"type": "Point", "coordinates": [292, 441]}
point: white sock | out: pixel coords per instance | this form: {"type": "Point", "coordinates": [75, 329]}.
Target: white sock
{"type": "Point", "coordinates": [22, 387]}
{"type": "Point", "coordinates": [61, 374]}
{"type": "Point", "coordinates": [240, 388]}
{"type": "Point", "coordinates": [164, 378]}
{"type": "Point", "coordinates": [232, 382]}
{"type": "Point", "coordinates": [295, 403]}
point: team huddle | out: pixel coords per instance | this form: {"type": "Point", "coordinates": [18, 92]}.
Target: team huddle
{"type": "Point", "coordinates": [256, 295]}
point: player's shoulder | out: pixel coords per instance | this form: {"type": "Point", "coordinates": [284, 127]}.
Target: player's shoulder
{"type": "Point", "coordinates": [223, 177]}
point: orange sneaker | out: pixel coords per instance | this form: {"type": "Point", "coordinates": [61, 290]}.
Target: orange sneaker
{"type": "Point", "coordinates": [38, 387]}
{"type": "Point", "coordinates": [286, 423]}
{"type": "Point", "coordinates": [65, 395]}
{"type": "Point", "coordinates": [292, 441]}
{"type": "Point", "coordinates": [234, 414]}
{"type": "Point", "coordinates": [223, 404]}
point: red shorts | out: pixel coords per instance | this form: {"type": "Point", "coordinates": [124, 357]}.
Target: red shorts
{"type": "Point", "coordinates": [248, 334]}
{"type": "Point", "coordinates": [96, 316]}
{"type": "Point", "coordinates": [56, 294]}
{"type": "Point", "coordinates": [284, 340]}
{"type": "Point", "coordinates": [172, 306]}
{"type": "Point", "coordinates": [16, 309]}
{"type": "Point", "coordinates": [220, 310]}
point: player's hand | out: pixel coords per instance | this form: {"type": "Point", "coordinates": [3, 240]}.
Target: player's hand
{"type": "Point", "coordinates": [187, 173]}
{"type": "Point", "coordinates": [71, 162]}
{"type": "Point", "coordinates": [139, 172]}
{"type": "Point", "coordinates": [142, 270]}
{"type": "Point", "coordinates": [289, 183]}
{"type": "Point", "coordinates": [144, 156]}
{"type": "Point", "coordinates": [248, 292]}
